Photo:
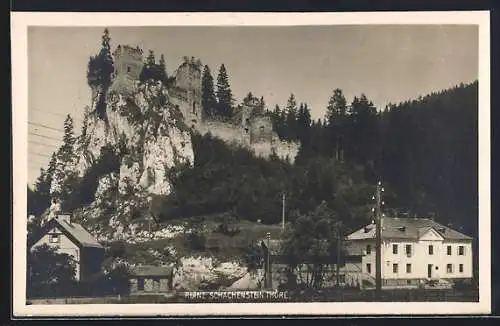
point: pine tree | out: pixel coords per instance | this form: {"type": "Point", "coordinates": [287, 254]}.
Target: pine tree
{"type": "Point", "coordinates": [261, 108]}
{"type": "Point", "coordinates": [150, 59]}
{"type": "Point", "coordinates": [224, 94]}
{"type": "Point", "coordinates": [304, 123]}
{"type": "Point", "coordinates": [291, 118]}
{"type": "Point", "coordinates": [248, 98]}
{"type": "Point", "coordinates": [208, 100]}
{"type": "Point", "coordinates": [336, 113]}
{"type": "Point", "coordinates": [100, 67]}
{"type": "Point", "coordinates": [337, 106]}
{"type": "Point", "coordinates": [66, 152]}
{"type": "Point", "coordinates": [364, 131]}
{"type": "Point", "coordinates": [162, 69]}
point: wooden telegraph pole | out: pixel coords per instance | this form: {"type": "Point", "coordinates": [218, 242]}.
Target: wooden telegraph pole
{"type": "Point", "coordinates": [378, 246]}
{"type": "Point", "coordinates": [283, 213]}
{"type": "Point", "coordinates": [268, 273]}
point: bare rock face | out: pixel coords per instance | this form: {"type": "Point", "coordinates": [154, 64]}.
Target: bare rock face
{"type": "Point", "coordinates": [148, 137]}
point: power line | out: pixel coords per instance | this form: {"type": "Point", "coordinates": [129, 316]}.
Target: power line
{"type": "Point", "coordinates": [44, 126]}
{"type": "Point", "coordinates": [55, 113]}
{"type": "Point", "coordinates": [39, 154]}
{"type": "Point", "coordinates": [43, 144]}
{"type": "Point", "coordinates": [31, 133]}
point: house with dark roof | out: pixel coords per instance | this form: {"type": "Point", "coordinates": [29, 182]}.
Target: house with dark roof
{"type": "Point", "coordinates": [72, 239]}
{"type": "Point", "coordinates": [414, 250]}
{"type": "Point", "coordinates": [151, 279]}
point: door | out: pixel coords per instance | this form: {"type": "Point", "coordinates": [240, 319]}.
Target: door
{"type": "Point", "coordinates": [429, 270]}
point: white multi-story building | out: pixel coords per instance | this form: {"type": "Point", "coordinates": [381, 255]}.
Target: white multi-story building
{"type": "Point", "coordinates": [414, 250]}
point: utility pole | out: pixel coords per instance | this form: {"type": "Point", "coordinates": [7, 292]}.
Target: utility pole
{"type": "Point", "coordinates": [338, 256]}
{"type": "Point", "coordinates": [283, 213]}
{"type": "Point", "coordinates": [268, 273]}
{"type": "Point", "coordinates": [378, 246]}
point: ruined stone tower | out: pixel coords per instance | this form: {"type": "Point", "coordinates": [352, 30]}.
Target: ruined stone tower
{"type": "Point", "coordinates": [186, 92]}
{"type": "Point", "coordinates": [128, 66]}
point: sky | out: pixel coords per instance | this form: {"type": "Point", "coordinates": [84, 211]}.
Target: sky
{"type": "Point", "coordinates": [388, 63]}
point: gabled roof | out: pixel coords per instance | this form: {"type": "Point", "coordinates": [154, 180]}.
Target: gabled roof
{"type": "Point", "coordinates": [151, 270]}
{"type": "Point", "coordinates": [407, 228]}
{"type": "Point", "coordinates": [74, 231]}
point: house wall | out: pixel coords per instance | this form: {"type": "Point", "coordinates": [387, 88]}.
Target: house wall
{"type": "Point", "coordinates": [151, 284]}
{"type": "Point", "coordinates": [65, 246]}
{"type": "Point", "coordinates": [419, 260]}
{"type": "Point", "coordinates": [91, 261]}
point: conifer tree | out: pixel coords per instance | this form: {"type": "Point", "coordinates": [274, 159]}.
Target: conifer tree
{"type": "Point", "coordinates": [150, 59]}
{"type": "Point", "coordinates": [162, 69]}
{"type": "Point", "coordinates": [208, 100]}
{"type": "Point", "coordinates": [100, 67]}
{"type": "Point", "coordinates": [337, 106]}
{"type": "Point", "coordinates": [261, 107]}
{"type": "Point", "coordinates": [335, 117]}
{"type": "Point", "coordinates": [304, 123]}
{"type": "Point", "coordinates": [291, 118]}
{"type": "Point", "coordinates": [224, 94]}
{"type": "Point", "coordinates": [66, 152]}
{"type": "Point", "coordinates": [364, 131]}
{"type": "Point", "coordinates": [248, 98]}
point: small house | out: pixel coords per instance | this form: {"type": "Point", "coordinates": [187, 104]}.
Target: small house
{"type": "Point", "coordinates": [149, 279]}
{"type": "Point", "coordinates": [72, 239]}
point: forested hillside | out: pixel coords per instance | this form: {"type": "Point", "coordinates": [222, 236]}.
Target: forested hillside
{"type": "Point", "coordinates": [425, 152]}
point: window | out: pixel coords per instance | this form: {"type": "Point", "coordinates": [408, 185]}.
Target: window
{"type": "Point", "coordinates": [247, 121]}
{"type": "Point", "coordinates": [395, 249]}
{"type": "Point", "coordinates": [368, 249]}
{"type": "Point", "coordinates": [448, 250]}
{"type": "Point", "coordinates": [431, 250]}
{"type": "Point", "coordinates": [461, 268]}
{"type": "Point", "coordinates": [369, 268]}
{"type": "Point", "coordinates": [461, 250]}
{"type": "Point", "coordinates": [128, 69]}
{"type": "Point", "coordinates": [342, 278]}
{"type": "Point", "coordinates": [408, 250]}
{"type": "Point", "coordinates": [394, 268]}
{"type": "Point", "coordinates": [54, 238]}
{"type": "Point", "coordinates": [449, 268]}
{"type": "Point", "coordinates": [140, 284]}
{"type": "Point", "coordinates": [408, 268]}
{"type": "Point", "coordinates": [194, 107]}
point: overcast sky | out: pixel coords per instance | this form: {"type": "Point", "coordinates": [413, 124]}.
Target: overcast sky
{"type": "Point", "coordinates": [387, 63]}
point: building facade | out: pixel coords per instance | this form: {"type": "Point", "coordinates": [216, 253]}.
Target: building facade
{"type": "Point", "coordinates": [414, 250]}
{"type": "Point", "coordinates": [72, 239]}
{"type": "Point", "coordinates": [146, 279]}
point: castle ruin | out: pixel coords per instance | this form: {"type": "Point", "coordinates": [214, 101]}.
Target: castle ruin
{"type": "Point", "coordinates": [249, 127]}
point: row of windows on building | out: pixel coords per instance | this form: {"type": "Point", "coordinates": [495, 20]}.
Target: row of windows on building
{"type": "Point", "coordinates": [395, 268]}
{"type": "Point", "coordinates": [395, 250]}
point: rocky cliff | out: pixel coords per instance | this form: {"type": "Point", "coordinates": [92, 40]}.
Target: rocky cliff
{"type": "Point", "coordinates": [148, 137]}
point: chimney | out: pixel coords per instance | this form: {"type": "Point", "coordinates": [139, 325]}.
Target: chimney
{"type": "Point", "coordinates": [64, 218]}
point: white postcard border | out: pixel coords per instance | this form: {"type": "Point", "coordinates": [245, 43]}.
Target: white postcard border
{"type": "Point", "coordinates": [21, 20]}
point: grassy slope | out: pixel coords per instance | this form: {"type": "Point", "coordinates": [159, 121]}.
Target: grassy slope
{"type": "Point", "coordinates": [219, 246]}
